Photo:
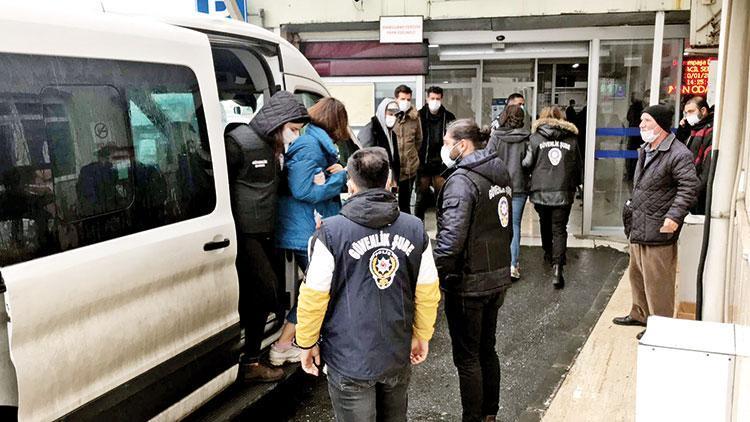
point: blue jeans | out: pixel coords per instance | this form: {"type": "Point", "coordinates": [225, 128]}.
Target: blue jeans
{"type": "Point", "coordinates": [519, 202]}
{"type": "Point", "coordinates": [382, 400]}
{"type": "Point", "coordinates": [302, 263]}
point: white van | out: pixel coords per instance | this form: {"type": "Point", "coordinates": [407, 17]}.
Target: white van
{"type": "Point", "coordinates": [118, 287]}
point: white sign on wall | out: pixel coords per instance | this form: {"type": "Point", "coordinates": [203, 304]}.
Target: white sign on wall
{"type": "Point", "coordinates": [401, 29]}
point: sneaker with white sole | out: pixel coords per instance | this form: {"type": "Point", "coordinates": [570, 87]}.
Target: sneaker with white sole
{"type": "Point", "coordinates": [515, 274]}
{"type": "Point", "coordinates": [279, 356]}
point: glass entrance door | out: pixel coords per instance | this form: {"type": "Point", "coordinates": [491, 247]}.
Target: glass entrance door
{"type": "Point", "coordinates": [623, 91]}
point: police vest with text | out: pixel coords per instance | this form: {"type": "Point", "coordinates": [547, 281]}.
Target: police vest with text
{"type": "Point", "coordinates": [368, 328]}
{"type": "Point", "coordinates": [486, 265]}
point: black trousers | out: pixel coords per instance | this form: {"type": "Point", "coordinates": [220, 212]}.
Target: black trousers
{"type": "Point", "coordinates": [258, 290]}
{"type": "Point", "coordinates": [553, 225]}
{"type": "Point", "coordinates": [472, 322]}
{"type": "Point", "coordinates": [404, 194]}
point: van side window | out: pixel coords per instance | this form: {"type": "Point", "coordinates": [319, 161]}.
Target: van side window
{"type": "Point", "coordinates": [308, 99]}
{"type": "Point", "coordinates": [244, 81]}
{"type": "Point", "coordinates": [92, 150]}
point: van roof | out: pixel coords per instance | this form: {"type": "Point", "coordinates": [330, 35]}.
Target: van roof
{"type": "Point", "coordinates": [83, 15]}
{"type": "Point", "coordinates": [294, 61]}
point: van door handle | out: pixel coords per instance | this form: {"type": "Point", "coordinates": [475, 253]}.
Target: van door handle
{"type": "Point", "coordinates": [212, 246]}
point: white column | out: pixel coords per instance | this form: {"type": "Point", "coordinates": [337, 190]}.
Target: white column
{"type": "Point", "coordinates": [591, 106]}
{"type": "Point", "coordinates": [656, 59]}
{"type": "Point", "coordinates": [729, 122]}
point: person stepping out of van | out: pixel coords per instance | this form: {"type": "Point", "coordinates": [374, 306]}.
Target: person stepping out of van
{"type": "Point", "coordinates": [315, 180]}
{"type": "Point", "coordinates": [254, 162]}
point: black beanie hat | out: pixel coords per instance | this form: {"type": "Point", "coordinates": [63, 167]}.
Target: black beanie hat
{"type": "Point", "coordinates": [662, 114]}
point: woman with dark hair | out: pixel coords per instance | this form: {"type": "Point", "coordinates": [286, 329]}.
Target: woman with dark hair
{"type": "Point", "coordinates": [510, 142]}
{"type": "Point", "coordinates": [473, 261]}
{"type": "Point", "coordinates": [315, 181]}
{"type": "Point", "coordinates": [254, 163]}
{"type": "Point", "coordinates": [555, 164]}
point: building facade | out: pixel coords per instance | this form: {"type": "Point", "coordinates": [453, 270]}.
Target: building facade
{"type": "Point", "coordinates": [600, 54]}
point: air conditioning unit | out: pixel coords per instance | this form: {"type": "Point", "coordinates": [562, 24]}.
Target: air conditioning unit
{"type": "Point", "coordinates": [705, 16]}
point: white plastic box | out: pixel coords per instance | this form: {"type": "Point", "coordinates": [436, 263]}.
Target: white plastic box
{"type": "Point", "coordinates": [685, 371]}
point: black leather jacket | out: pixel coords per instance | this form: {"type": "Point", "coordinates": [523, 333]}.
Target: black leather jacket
{"type": "Point", "coordinates": [555, 162]}
{"type": "Point", "coordinates": [475, 227]}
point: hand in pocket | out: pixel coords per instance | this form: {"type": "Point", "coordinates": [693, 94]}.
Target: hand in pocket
{"type": "Point", "coordinates": [669, 226]}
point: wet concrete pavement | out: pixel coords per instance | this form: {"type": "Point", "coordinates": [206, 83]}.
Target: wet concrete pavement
{"type": "Point", "coordinates": [540, 331]}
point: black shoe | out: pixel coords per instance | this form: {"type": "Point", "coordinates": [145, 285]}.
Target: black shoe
{"type": "Point", "coordinates": [628, 320]}
{"type": "Point", "coordinates": [558, 281]}
{"type": "Point", "coordinates": [639, 335]}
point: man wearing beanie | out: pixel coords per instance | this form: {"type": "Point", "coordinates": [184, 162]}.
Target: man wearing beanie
{"type": "Point", "coordinates": [664, 188]}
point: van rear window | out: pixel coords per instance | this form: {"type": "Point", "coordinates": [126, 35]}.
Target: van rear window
{"type": "Point", "coordinates": [92, 150]}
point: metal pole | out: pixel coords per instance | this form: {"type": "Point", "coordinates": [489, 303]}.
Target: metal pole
{"type": "Point", "coordinates": [480, 84]}
{"type": "Point", "coordinates": [554, 84]}
{"type": "Point", "coordinates": [591, 112]}
{"type": "Point", "coordinates": [656, 59]}
{"type": "Point", "coordinates": [678, 84]}
{"type": "Point", "coordinates": [534, 103]}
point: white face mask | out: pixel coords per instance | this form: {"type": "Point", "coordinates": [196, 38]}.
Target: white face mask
{"type": "Point", "coordinates": [404, 105]}
{"type": "Point", "coordinates": [434, 105]}
{"type": "Point", "coordinates": [648, 136]}
{"type": "Point", "coordinates": [445, 155]}
{"type": "Point", "coordinates": [289, 136]}
{"type": "Point", "coordinates": [390, 121]}
{"type": "Point", "coordinates": [692, 119]}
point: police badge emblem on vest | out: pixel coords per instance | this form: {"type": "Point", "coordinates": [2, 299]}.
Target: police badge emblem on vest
{"type": "Point", "coordinates": [502, 211]}
{"type": "Point", "coordinates": [383, 266]}
{"type": "Point", "coordinates": [555, 155]}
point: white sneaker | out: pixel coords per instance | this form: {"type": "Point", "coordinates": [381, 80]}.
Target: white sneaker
{"type": "Point", "coordinates": [278, 357]}
{"type": "Point", "coordinates": [515, 274]}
